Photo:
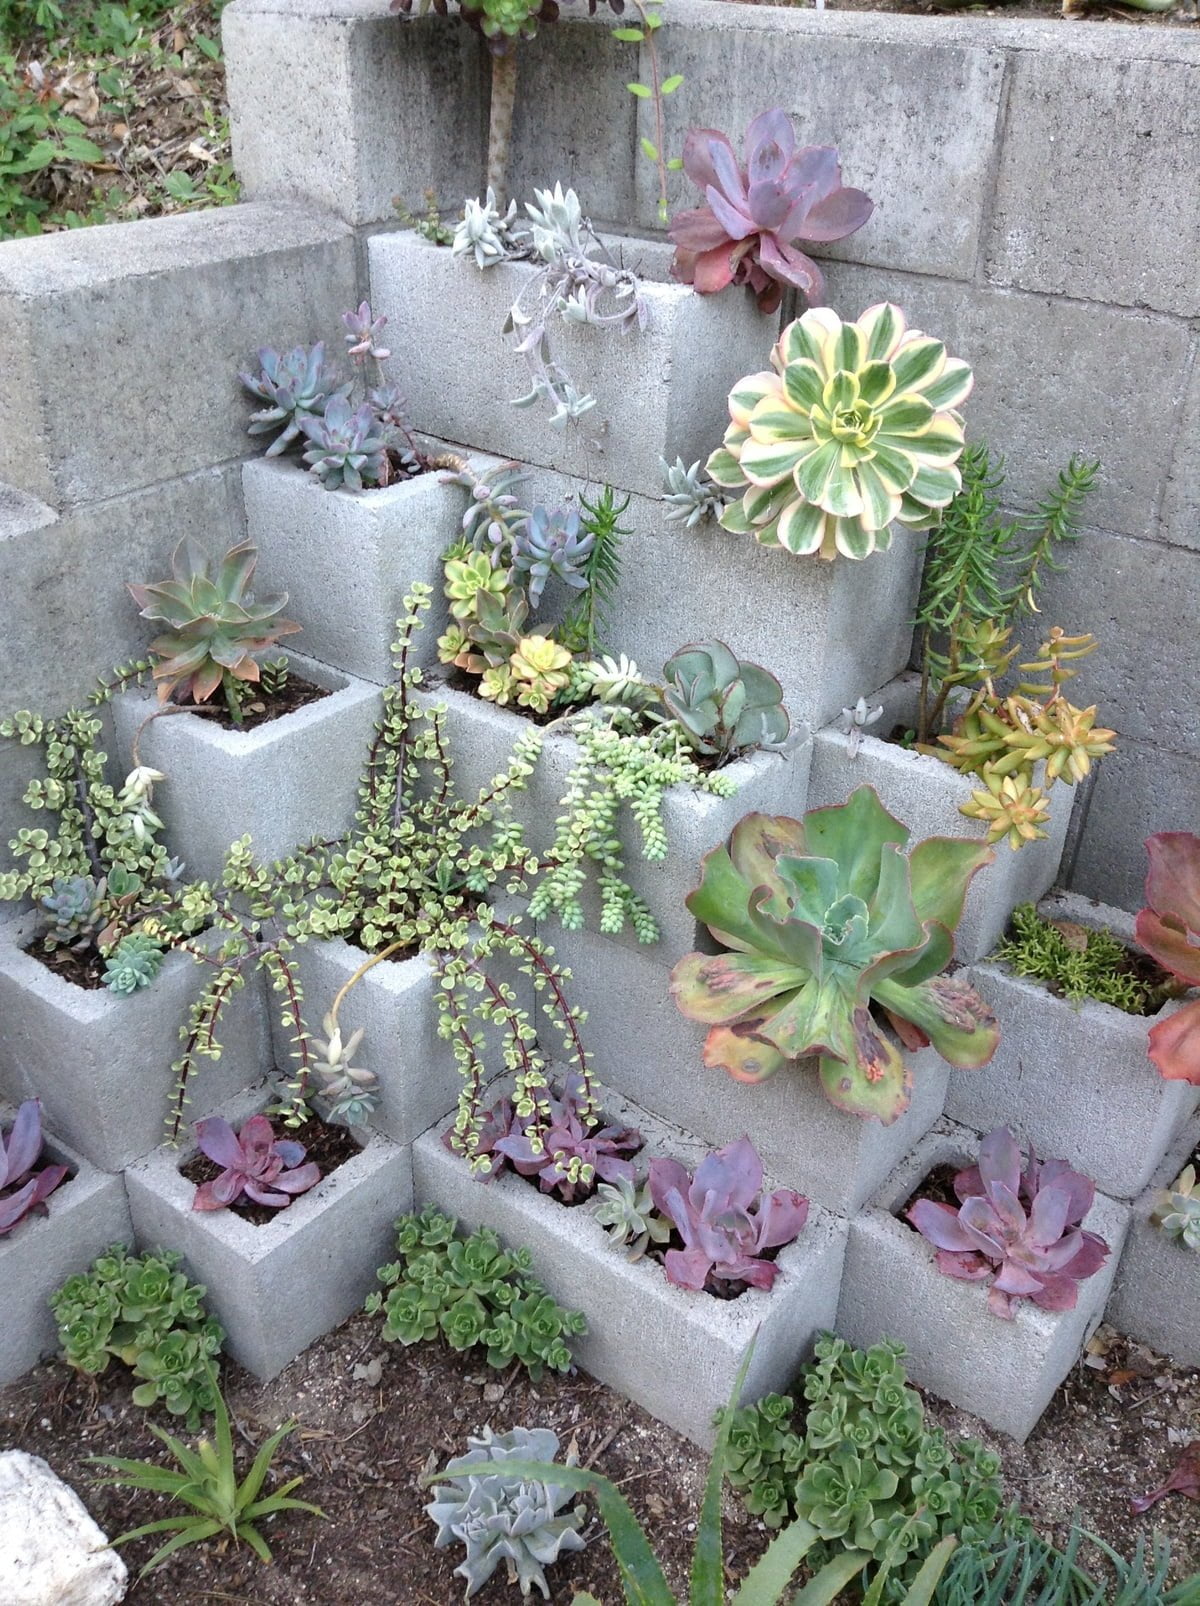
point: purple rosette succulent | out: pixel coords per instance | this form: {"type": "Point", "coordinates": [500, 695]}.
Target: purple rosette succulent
{"type": "Point", "coordinates": [21, 1191]}
{"type": "Point", "coordinates": [1018, 1228]}
{"type": "Point", "coordinates": [267, 1169]}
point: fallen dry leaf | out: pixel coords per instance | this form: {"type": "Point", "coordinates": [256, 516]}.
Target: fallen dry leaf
{"type": "Point", "coordinates": [1185, 1480]}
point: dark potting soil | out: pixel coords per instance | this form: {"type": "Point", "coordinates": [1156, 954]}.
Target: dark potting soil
{"type": "Point", "coordinates": [937, 1186]}
{"type": "Point", "coordinates": [83, 969]}
{"type": "Point", "coordinates": [259, 708]}
{"type": "Point", "coordinates": [330, 1146]}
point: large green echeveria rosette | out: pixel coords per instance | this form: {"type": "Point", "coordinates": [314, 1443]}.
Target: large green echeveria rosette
{"type": "Point", "coordinates": [854, 430]}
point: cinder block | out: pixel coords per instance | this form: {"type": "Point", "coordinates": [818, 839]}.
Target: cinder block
{"type": "Point", "coordinates": [349, 558]}
{"type": "Point", "coordinates": [1075, 1079]}
{"type": "Point", "coordinates": [1128, 232]}
{"type": "Point", "coordinates": [1156, 1298]}
{"type": "Point", "coordinates": [641, 1045]}
{"type": "Point", "coordinates": [925, 794]}
{"type": "Point", "coordinates": [661, 391]}
{"type": "Point", "coordinates": [275, 1288]}
{"type": "Point", "coordinates": [1005, 1372]}
{"type": "Point", "coordinates": [160, 315]}
{"type": "Point", "coordinates": [101, 1064]}
{"type": "Point", "coordinates": [674, 1352]}
{"type": "Point", "coordinates": [284, 782]}
{"type": "Point", "coordinates": [84, 1215]}
{"type": "Point", "coordinates": [346, 105]}
{"type": "Point", "coordinates": [1140, 789]}
{"type": "Point", "coordinates": [1180, 524]}
{"type": "Point", "coordinates": [1043, 370]}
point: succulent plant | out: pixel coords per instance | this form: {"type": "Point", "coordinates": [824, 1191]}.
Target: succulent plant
{"type": "Point", "coordinates": [828, 917]}
{"type": "Point", "coordinates": [75, 911]}
{"type": "Point", "coordinates": [1017, 1228]}
{"type": "Point", "coordinates": [498, 685]}
{"type": "Point", "coordinates": [345, 447]}
{"type": "Point", "coordinates": [690, 499]}
{"type": "Point", "coordinates": [757, 214]}
{"type": "Point", "coordinates": [470, 578]}
{"type": "Point", "coordinates": [724, 1221]}
{"type": "Point", "coordinates": [615, 680]}
{"type": "Point", "coordinates": [855, 721]}
{"type": "Point", "coordinates": [135, 962]}
{"type": "Point", "coordinates": [627, 1214]}
{"type": "Point", "coordinates": [295, 387]}
{"type": "Point", "coordinates": [348, 1092]}
{"type": "Point", "coordinates": [853, 431]}
{"type": "Point", "coordinates": [484, 232]}
{"type": "Point", "coordinates": [22, 1190]}
{"type": "Point", "coordinates": [514, 1520]}
{"type": "Point", "coordinates": [723, 704]}
{"type": "Point", "coordinates": [494, 512]}
{"type": "Point", "coordinates": [363, 329]}
{"type": "Point", "coordinates": [552, 543]}
{"type": "Point", "coordinates": [1177, 1209]}
{"type": "Point", "coordinates": [1168, 928]}
{"type": "Point", "coordinates": [268, 1170]}
{"type": "Point", "coordinates": [541, 669]}
{"type": "Point", "coordinates": [215, 624]}
{"type": "Point", "coordinates": [559, 1142]}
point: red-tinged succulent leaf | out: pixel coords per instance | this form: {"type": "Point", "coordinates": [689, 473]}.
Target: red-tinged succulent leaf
{"type": "Point", "coordinates": [968, 1268]}
{"type": "Point", "coordinates": [1173, 880]}
{"type": "Point", "coordinates": [687, 1268]}
{"type": "Point", "coordinates": [743, 1051]}
{"type": "Point", "coordinates": [15, 1206]}
{"type": "Point", "coordinates": [940, 1225]}
{"type": "Point", "coordinates": [219, 1141]}
{"type": "Point", "coordinates": [951, 1014]}
{"type": "Point", "coordinates": [1174, 949]}
{"type": "Point", "coordinates": [47, 1179]}
{"type": "Point", "coordinates": [21, 1147]}
{"type": "Point", "coordinates": [877, 1084]}
{"type": "Point", "coordinates": [1174, 1045]}
{"type": "Point", "coordinates": [719, 988]}
{"type": "Point", "coordinates": [1184, 1479]}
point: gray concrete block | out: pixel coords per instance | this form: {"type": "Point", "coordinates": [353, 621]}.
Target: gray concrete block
{"type": "Point", "coordinates": [349, 558]}
{"type": "Point", "coordinates": [159, 315]}
{"type": "Point", "coordinates": [1128, 231]}
{"type": "Point", "coordinates": [1075, 1079]}
{"type": "Point", "coordinates": [275, 1288]}
{"type": "Point", "coordinates": [1140, 789]}
{"type": "Point", "coordinates": [84, 1215]}
{"type": "Point", "coordinates": [284, 782]}
{"type": "Point", "coordinates": [345, 105]}
{"type": "Point", "coordinates": [661, 391]}
{"type": "Point", "coordinates": [1004, 1372]}
{"type": "Point", "coordinates": [674, 1352]}
{"type": "Point", "coordinates": [925, 795]}
{"type": "Point", "coordinates": [1181, 508]}
{"type": "Point", "coordinates": [101, 1064]}
{"type": "Point", "coordinates": [1043, 373]}
{"type": "Point", "coordinates": [642, 1046]}
{"type": "Point", "coordinates": [1156, 1297]}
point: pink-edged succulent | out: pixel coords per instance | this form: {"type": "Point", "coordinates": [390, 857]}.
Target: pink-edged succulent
{"type": "Point", "coordinates": [723, 1219]}
{"type": "Point", "coordinates": [267, 1169]}
{"type": "Point", "coordinates": [1018, 1228]}
{"type": "Point", "coordinates": [1169, 930]}
{"type": "Point", "coordinates": [21, 1189]}
{"type": "Point", "coordinates": [560, 1143]}
{"type": "Point", "coordinates": [757, 215]}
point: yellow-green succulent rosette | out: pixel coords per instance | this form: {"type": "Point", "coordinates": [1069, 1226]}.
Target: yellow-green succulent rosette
{"type": "Point", "coordinates": [854, 430]}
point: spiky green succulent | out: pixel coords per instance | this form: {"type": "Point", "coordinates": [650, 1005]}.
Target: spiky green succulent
{"type": "Point", "coordinates": [1177, 1209]}
{"type": "Point", "coordinates": [837, 933]}
{"type": "Point", "coordinates": [853, 431]}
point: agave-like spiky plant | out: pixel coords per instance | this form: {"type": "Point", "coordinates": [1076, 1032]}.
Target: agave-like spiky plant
{"type": "Point", "coordinates": [854, 430]}
{"type": "Point", "coordinates": [1168, 928]}
{"type": "Point", "coordinates": [834, 924]}
{"type": "Point", "coordinates": [757, 213]}
{"type": "Point", "coordinates": [215, 626]}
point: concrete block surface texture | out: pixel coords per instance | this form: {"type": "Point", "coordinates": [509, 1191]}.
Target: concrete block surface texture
{"type": "Point", "coordinates": [1139, 789]}
{"type": "Point", "coordinates": [674, 1352]}
{"type": "Point", "coordinates": [283, 782]}
{"type": "Point", "coordinates": [276, 1288]}
{"type": "Point", "coordinates": [1075, 1079]}
{"type": "Point", "coordinates": [101, 1064]}
{"type": "Point", "coordinates": [86, 1213]}
{"type": "Point", "coordinates": [1003, 1371]}
{"type": "Point", "coordinates": [140, 307]}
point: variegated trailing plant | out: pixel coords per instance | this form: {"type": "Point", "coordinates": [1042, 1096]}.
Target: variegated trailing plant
{"type": "Point", "coordinates": [1168, 928]}
{"type": "Point", "coordinates": [836, 937]}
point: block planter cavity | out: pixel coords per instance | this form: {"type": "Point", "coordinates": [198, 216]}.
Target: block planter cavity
{"type": "Point", "coordinates": [101, 1064]}
{"type": "Point", "coordinates": [674, 1352]}
{"type": "Point", "coordinates": [284, 782]}
{"type": "Point", "coordinates": [661, 391]}
{"type": "Point", "coordinates": [84, 1215]}
{"type": "Point", "coordinates": [1005, 1372]}
{"type": "Point", "coordinates": [1156, 1297]}
{"type": "Point", "coordinates": [925, 794]}
{"type": "Point", "coordinates": [1075, 1079]}
{"type": "Point", "coordinates": [277, 1287]}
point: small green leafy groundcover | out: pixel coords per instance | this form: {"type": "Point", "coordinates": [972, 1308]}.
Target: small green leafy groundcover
{"type": "Point", "coordinates": [475, 1294]}
{"type": "Point", "coordinates": [1077, 962]}
{"type": "Point", "coordinates": [143, 1310]}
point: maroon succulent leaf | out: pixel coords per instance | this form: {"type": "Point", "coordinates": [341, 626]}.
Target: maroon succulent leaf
{"type": "Point", "coordinates": [756, 215]}
{"type": "Point", "coordinates": [21, 1190]}
{"type": "Point", "coordinates": [544, 1144]}
{"type": "Point", "coordinates": [1184, 1479]}
{"type": "Point", "coordinates": [267, 1169]}
{"type": "Point", "coordinates": [1168, 928]}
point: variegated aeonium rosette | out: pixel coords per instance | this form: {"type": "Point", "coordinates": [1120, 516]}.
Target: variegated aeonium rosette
{"type": "Point", "coordinates": [852, 431]}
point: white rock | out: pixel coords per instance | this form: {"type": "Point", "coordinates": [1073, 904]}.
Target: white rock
{"type": "Point", "coordinates": [51, 1552]}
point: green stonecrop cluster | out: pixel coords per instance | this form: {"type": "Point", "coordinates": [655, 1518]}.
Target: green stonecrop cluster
{"type": "Point", "coordinates": [1078, 963]}
{"type": "Point", "coordinates": [475, 1294]}
{"type": "Point", "coordinates": [143, 1311]}
{"type": "Point", "coordinates": [865, 1469]}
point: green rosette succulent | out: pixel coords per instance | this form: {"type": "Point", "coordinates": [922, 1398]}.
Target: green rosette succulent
{"type": "Point", "coordinates": [832, 925]}
{"type": "Point", "coordinates": [853, 431]}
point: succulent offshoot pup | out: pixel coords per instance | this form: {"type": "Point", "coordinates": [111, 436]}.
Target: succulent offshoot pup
{"type": "Point", "coordinates": [1177, 1209]}
{"type": "Point", "coordinates": [837, 934]}
{"type": "Point", "coordinates": [1168, 928]}
{"type": "Point", "coordinates": [855, 429]}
